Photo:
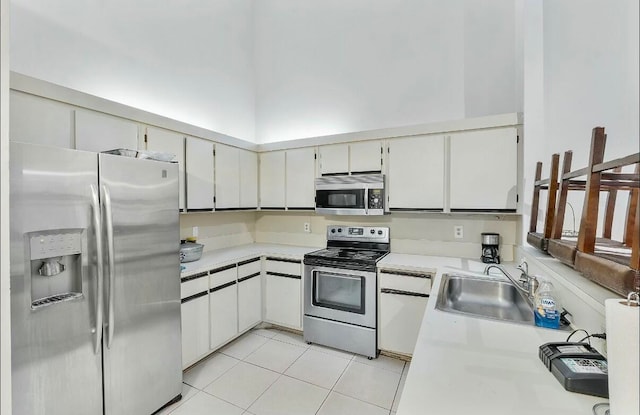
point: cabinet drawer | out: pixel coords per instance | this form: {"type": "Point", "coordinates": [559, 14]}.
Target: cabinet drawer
{"type": "Point", "coordinates": [283, 266]}
{"type": "Point", "coordinates": [222, 275]}
{"type": "Point", "coordinates": [249, 267]}
{"type": "Point", "coordinates": [194, 284]}
{"type": "Point", "coordinates": [416, 282]}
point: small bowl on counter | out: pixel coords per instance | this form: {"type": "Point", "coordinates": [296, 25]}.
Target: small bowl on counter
{"type": "Point", "coordinates": [190, 251]}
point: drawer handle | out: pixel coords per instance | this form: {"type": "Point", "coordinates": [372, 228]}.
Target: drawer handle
{"type": "Point", "coordinates": [400, 292]}
{"type": "Point", "coordinates": [226, 267]}
{"type": "Point", "coordinates": [193, 297]}
{"type": "Point", "coordinates": [280, 274]}
{"type": "Point", "coordinates": [248, 261]}
{"type": "Point", "coordinates": [292, 261]}
{"type": "Point", "coordinates": [407, 274]}
{"type": "Point", "coordinates": [248, 277]}
{"type": "Point", "coordinates": [223, 286]}
{"type": "Point", "coordinates": [194, 277]}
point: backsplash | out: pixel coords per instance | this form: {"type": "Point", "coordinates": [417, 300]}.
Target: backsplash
{"type": "Point", "coordinates": [218, 230]}
{"type": "Point", "coordinates": [411, 233]}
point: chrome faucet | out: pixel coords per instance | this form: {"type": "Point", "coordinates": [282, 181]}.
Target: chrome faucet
{"type": "Point", "coordinates": [527, 284]}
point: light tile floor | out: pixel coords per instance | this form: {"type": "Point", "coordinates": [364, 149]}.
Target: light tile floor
{"type": "Point", "coordinates": [271, 372]}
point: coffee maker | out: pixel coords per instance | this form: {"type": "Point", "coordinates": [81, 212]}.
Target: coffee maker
{"type": "Point", "coordinates": [490, 244]}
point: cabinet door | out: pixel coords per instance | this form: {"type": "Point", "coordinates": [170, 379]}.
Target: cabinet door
{"type": "Point", "coordinates": [400, 315]}
{"type": "Point", "coordinates": [365, 157]}
{"type": "Point", "coordinates": [98, 132]}
{"type": "Point", "coordinates": [272, 180]}
{"type": "Point", "coordinates": [416, 173]}
{"type": "Point", "coordinates": [300, 177]}
{"type": "Point", "coordinates": [249, 302]}
{"type": "Point", "coordinates": [334, 159]}
{"type": "Point", "coordinates": [227, 177]}
{"type": "Point", "coordinates": [223, 306]}
{"type": "Point", "coordinates": [282, 298]}
{"type": "Point", "coordinates": [195, 328]}
{"type": "Point", "coordinates": [484, 170]}
{"type": "Point", "coordinates": [199, 171]}
{"type": "Point", "coordinates": [248, 179]}
{"type": "Point", "coordinates": [173, 143]}
{"type": "Point", "coordinates": [55, 121]}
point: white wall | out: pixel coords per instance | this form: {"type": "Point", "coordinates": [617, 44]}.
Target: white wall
{"type": "Point", "coordinates": [327, 67]}
{"type": "Point", "coordinates": [581, 71]}
{"type": "Point", "coordinates": [190, 60]}
{"type": "Point", "coordinates": [5, 298]}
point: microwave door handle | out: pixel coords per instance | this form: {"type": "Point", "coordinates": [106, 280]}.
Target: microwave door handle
{"type": "Point", "coordinates": [97, 224]}
{"type": "Point", "coordinates": [366, 200]}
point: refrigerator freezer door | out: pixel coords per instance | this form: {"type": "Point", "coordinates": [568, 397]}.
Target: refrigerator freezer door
{"type": "Point", "coordinates": [142, 342]}
{"type": "Point", "coordinates": [56, 367]}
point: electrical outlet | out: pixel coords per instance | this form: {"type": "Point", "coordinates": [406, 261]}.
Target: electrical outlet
{"type": "Point", "coordinates": [307, 227]}
{"type": "Point", "coordinates": [194, 231]}
{"type": "Point", "coordinates": [458, 231]}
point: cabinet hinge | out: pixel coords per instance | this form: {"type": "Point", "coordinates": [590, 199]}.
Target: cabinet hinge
{"type": "Point", "coordinates": [315, 156]}
{"type": "Point", "coordinates": [517, 198]}
{"type": "Point", "coordinates": [517, 139]}
{"type": "Point", "coordinates": [214, 152]}
{"type": "Point", "coordinates": [145, 138]}
{"type": "Point", "coordinates": [381, 150]}
{"type": "Point", "coordinates": [388, 149]}
{"type": "Point", "coordinates": [214, 199]}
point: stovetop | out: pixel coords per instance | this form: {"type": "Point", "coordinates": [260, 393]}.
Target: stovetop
{"type": "Point", "coordinates": [351, 247]}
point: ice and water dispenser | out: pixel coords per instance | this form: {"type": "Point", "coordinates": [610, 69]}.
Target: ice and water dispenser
{"type": "Point", "coordinates": [56, 266]}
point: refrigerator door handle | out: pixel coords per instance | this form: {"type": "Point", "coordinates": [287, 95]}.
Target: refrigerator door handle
{"type": "Point", "coordinates": [112, 263]}
{"type": "Point", "coordinates": [97, 224]}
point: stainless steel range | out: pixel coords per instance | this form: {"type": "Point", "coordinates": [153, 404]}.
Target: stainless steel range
{"type": "Point", "coordinates": [340, 307]}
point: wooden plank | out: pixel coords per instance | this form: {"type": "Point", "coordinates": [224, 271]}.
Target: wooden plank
{"type": "Point", "coordinates": [632, 177]}
{"type": "Point", "coordinates": [551, 195]}
{"type": "Point", "coordinates": [621, 162]}
{"type": "Point", "coordinates": [635, 247]}
{"type": "Point", "coordinates": [589, 219]}
{"type": "Point", "coordinates": [573, 174]}
{"type": "Point", "coordinates": [561, 204]}
{"type": "Point", "coordinates": [612, 195]}
{"type": "Point", "coordinates": [630, 220]}
{"type": "Point", "coordinates": [541, 182]}
{"type": "Point", "coordinates": [535, 202]}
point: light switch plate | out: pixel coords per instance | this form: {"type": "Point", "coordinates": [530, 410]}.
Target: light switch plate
{"type": "Point", "coordinates": [458, 232]}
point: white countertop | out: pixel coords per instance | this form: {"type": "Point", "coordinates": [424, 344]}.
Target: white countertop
{"type": "Point", "coordinates": [466, 365]}
{"type": "Point", "coordinates": [222, 257]}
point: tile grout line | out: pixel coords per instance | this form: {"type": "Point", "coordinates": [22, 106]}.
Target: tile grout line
{"type": "Point", "coordinates": [395, 395]}
{"type": "Point", "coordinates": [335, 383]}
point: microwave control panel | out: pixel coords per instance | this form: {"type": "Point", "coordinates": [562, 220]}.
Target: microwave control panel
{"type": "Point", "coordinates": [376, 199]}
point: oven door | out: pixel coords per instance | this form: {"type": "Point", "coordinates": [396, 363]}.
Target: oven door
{"type": "Point", "coordinates": [347, 201]}
{"type": "Point", "coordinates": [347, 296]}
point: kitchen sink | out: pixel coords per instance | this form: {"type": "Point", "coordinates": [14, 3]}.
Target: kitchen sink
{"type": "Point", "coordinates": [483, 297]}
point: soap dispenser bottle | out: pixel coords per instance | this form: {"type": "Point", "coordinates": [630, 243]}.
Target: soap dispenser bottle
{"type": "Point", "coordinates": [547, 309]}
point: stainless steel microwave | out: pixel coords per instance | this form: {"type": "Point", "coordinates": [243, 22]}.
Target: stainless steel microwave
{"type": "Point", "coordinates": [361, 194]}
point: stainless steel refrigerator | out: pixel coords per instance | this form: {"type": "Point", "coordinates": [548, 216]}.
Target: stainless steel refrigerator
{"type": "Point", "coordinates": [95, 285]}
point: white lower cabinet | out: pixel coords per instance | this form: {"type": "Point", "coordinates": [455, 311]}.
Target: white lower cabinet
{"type": "Point", "coordinates": [283, 288]}
{"type": "Point", "coordinates": [223, 305]}
{"type": "Point", "coordinates": [249, 294]}
{"type": "Point", "coordinates": [195, 319]}
{"type": "Point", "coordinates": [402, 301]}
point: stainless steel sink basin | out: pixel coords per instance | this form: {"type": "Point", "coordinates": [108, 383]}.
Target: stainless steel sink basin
{"type": "Point", "coordinates": [483, 297]}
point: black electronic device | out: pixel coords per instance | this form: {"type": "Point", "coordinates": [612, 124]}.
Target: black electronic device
{"type": "Point", "coordinates": [577, 366]}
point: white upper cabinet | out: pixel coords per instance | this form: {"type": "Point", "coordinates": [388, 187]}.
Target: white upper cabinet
{"type": "Point", "coordinates": [334, 159]}
{"type": "Point", "coordinates": [353, 158]}
{"type": "Point", "coordinates": [272, 180]}
{"type": "Point", "coordinates": [55, 121]}
{"type": "Point", "coordinates": [169, 142]}
{"type": "Point", "coordinates": [199, 170]}
{"type": "Point", "coordinates": [300, 178]}
{"type": "Point", "coordinates": [98, 132]}
{"type": "Point", "coordinates": [484, 170]}
{"type": "Point", "coordinates": [416, 173]}
{"type": "Point", "coordinates": [248, 179]}
{"type": "Point", "coordinates": [365, 157]}
{"type": "Point", "coordinates": [227, 177]}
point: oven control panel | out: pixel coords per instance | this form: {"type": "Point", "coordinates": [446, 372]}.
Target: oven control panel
{"type": "Point", "coordinates": [358, 233]}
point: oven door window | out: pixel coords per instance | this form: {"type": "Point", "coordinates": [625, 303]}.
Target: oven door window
{"type": "Point", "coordinates": [343, 198]}
{"type": "Point", "coordinates": [339, 291]}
